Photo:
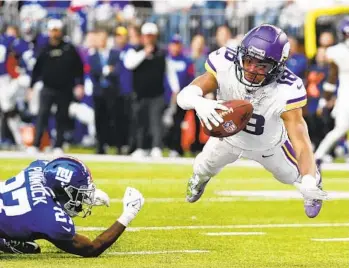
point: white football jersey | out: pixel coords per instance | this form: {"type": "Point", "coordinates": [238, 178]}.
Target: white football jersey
{"type": "Point", "coordinates": [265, 129]}
{"type": "Point", "coordinates": [339, 54]}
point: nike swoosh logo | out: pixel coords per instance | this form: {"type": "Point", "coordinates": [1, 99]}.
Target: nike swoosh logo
{"type": "Point", "coordinates": [299, 86]}
{"type": "Point", "coordinates": [265, 156]}
{"type": "Point", "coordinates": [67, 229]}
{"type": "Point", "coordinates": [33, 244]}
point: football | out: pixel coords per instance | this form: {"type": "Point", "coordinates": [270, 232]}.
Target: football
{"type": "Point", "coordinates": [235, 119]}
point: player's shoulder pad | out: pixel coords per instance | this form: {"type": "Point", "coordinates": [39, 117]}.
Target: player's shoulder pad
{"type": "Point", "coordinates": [220, 60]}
{"type": "Point", "coordinates": [38, 163]}
{"type": "Point", "coordinates": [292, 90]}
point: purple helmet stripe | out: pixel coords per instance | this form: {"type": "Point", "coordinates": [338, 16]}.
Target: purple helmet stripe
{"type": "Point", "coordinates": [211, 65]}
{"type": "Point", "coordinates": [296, 100]}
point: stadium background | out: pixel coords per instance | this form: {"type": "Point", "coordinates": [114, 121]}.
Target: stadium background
{"type": "Point", "coordinates": [218, 22]}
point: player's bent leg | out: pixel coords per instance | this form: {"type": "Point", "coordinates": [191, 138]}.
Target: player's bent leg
{"type": "Point", "coordinates": [282, 163]}
{"type": "Point", "coordinates": [215, 155]}
{"type": "Point", "coordinates": [19, 247]}
{"type": "Point", "coordinates": [340, 129]}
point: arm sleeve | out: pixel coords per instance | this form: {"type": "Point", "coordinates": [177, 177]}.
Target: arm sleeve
{"type": "Point", "coordinates": [221, 59]}
{"type": "Point", "coordinates": [133, 58]}
{"type": "Point", "coordinates": [296, 96]}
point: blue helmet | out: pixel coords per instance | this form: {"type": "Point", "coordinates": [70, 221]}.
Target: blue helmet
{"type": "Point", "coordinates": [71, 182]}
{"type": "Point", "coordinates": [270, 45]}
{"type": "Point", "coordinates": [343, 26]}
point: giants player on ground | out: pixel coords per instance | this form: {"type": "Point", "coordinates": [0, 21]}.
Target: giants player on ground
{"type": "Point", "coordinates": [276, 136]}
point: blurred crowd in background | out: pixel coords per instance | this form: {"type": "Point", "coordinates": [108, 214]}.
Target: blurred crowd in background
{"type": "Point", "coordinates": [126, 99]}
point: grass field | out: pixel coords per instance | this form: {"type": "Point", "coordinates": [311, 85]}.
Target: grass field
{"type": "Point", "coordinates": [241, 231]}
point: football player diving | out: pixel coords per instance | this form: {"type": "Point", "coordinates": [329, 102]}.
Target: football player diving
{"type": "Point", "coordinates": [276, 136]}
{"type": "Point", "coordinates": [40, 202]}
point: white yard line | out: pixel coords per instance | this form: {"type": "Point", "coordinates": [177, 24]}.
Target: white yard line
{"type": "Point", "coordinates": [234, 181]}
{"type": "Point", "coordinates": [236, 226]}
{"type": "Point", "coordinates": [278, 194]}
{"type": "Point", "coordinates": [331, 239]}
{"type": "Point", "coordinates": [165, 160]}
{"type": "Point", "coordinates": [246, 196]}
{"type": "Point", "coordinates": [187, 251]}
{"type": "Point", "coordinates": [234, 233]}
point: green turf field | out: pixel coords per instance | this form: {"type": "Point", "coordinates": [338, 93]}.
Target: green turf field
{"type": "Point", "coordinates": [218, 231]}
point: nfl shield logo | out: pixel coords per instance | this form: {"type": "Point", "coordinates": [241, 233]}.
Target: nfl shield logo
{"type": "Point", "coordinates": [229, 126]}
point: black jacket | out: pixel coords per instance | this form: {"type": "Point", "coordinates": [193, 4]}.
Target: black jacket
{"type": "Point", "coordinates": [59, 67]}
{"type": "Point", "coordinates": [148, 77]}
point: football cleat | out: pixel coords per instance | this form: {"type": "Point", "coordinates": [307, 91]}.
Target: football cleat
{"type": "Point", "coordinates": [19, 247]}
{"type": "Point", "coordinates": [196, 187]}
{"type": "Point", "coordinates": [312, 207]}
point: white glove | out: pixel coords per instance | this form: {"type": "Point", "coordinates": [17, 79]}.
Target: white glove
{"type": "Point", "coordinates": [101, 198]}
{"type": "Point", "coordinates": [205, 110]}
{"type": "Point", "coordinates": [167, 118]}
{"type": "Point", "coordinates": [309, 189]}
{"type": "Point", "coordinates": [133, 201]}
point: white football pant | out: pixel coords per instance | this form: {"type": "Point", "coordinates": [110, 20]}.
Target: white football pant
{"type": "Point", "coordinates": [341, 127]}
{"type": "Point", "coordinates": [280, 161]}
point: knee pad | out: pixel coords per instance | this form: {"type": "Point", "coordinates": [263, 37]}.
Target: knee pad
{"type": "Point", "coordinates": [204, 167]}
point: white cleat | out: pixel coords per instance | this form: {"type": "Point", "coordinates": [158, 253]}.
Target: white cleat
{"type": "Point", "coordinates": [32, 150]}
{"type": "Point", "coordinates": [57, 151]}
{"type": "Point", "coordinates": [139, 153]}
{"type": "Point", "coordinates": [156, 152]}
{"type": "Point", "coordinates": [196, 187]}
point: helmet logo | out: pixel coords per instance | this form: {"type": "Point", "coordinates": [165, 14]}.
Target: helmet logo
{"type": "Point", "coordinates": [285, 51]}
{"type": "Point", "coordinates": [64, 175]}
{"type": "Point", "coordinates": [256, 51]}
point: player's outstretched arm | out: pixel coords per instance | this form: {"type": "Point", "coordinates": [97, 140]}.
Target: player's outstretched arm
{"type": "Point", "coordinates": [191, 97]}
{"type": "Point", "coordinates": [298, 133]}
{"type": "Point", "coordinates": [83, 246]}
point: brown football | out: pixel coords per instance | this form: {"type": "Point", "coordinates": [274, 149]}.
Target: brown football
{"type": "Point", "coordinates": [235, 119]}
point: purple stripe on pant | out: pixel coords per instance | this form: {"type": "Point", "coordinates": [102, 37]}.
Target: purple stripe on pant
{"type": "Point", "coordinates": [290, 151]}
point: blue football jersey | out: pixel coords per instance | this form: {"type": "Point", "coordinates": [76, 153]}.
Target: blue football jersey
{"type": "Point", "coordinates": [28, 210]}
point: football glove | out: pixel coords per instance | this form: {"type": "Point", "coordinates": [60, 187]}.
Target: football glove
{"type": "Point", "coordinates": [133, 201]}
{"type": "Point", "coordinates": [205, 110]}
{"type": "Point", "coordinates": [101, 198]}
{"type": "Point", "coordinates": [309, 189]}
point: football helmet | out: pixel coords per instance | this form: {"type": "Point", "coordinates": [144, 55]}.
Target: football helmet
{"type": "Point", "coordinates": [71, 183]}
{"type": "Point", "coordinates": [269, 45]}
{"type": "Point", "coordinates": [343, 27]}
